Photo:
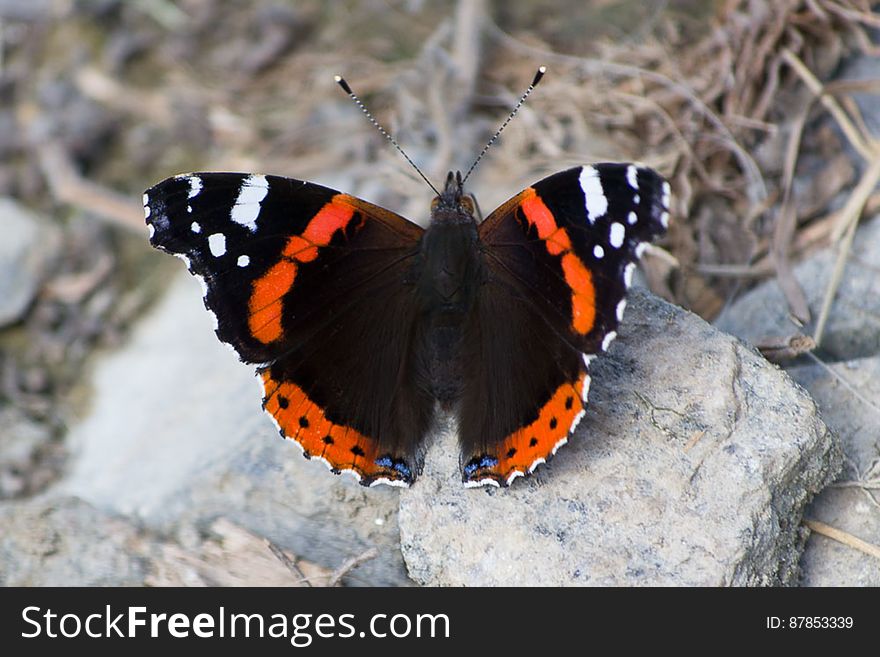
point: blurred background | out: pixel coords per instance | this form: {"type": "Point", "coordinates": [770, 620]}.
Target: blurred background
{"type": "Point", "coordinates": [100, 99]}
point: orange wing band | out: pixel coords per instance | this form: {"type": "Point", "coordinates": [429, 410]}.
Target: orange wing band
{"type": "Point", "coordinates": [267, 293]}
{"type": "Point", "coordinates": [523, 450]}
{"type": "Point", "coordinates": [341, 447]}
{"type": "Point", "coordinates": [558, 243]}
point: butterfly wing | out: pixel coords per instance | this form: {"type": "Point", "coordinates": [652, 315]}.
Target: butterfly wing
{"type": "Point", "coordinates": [560, 256]}
{"type": "Point", "coordinates": [294, 273]}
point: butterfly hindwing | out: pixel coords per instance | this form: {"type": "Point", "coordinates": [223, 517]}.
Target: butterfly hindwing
{"type": "Point", "coordinates": [294, 273]}
{"type": "Point", "coordinates": [561, 254]}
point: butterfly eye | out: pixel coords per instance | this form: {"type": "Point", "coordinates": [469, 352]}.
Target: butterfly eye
{"type": "Point", "coordinates": [468, 204]}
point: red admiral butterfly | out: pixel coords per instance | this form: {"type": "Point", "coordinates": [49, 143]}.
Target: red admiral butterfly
{"type": "Point", "coordinates": [362, 323]}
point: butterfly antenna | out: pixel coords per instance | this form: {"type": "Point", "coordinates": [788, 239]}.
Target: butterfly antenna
{"type": "Point", "coordinates": [342, 83]}
{"type": "Point", "coordinates": [538, 75]}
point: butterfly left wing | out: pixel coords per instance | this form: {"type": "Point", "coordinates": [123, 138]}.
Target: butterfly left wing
{"type": "Point", "coordinates": [560, 256]}
{"type": "Point", "coordinates": [293, 273]}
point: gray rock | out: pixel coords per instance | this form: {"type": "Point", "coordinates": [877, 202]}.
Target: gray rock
{"type": "Point", "coordinates": [21, 443]}
{"type": "Point", "coordinates": [692, 467]}
{"type": "Point", "coordinates": [67, 542]}
{"type": "Point", "coordinates": [853, 328]}
{"type": "Point", "coordinates": [28, 244]}
{"type": "Point", "coordinates": [846, 506]}
{"type": "Point", "coordinates": [15, 10]}
{"type": "Point", "coordinates": [175, 436]}
{"type": "Point", "coordinates": [54, 540]}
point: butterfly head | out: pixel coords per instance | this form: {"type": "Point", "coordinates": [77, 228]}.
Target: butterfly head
{"type": "Point", "coordinates": [453, 202]}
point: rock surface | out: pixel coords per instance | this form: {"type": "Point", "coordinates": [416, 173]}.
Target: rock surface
{"type": "Point", "coordinates": [27, 248]}
{"type": "Point", "coordinates": [852, 336]}
{"type": "Point", "coordinates": [853, 328]}
{"type": "Point", "coordinates": [176, 436]}
{"type": "Point", "coordinates": [67, 542]}
{"type": "Point", "coordinates": [52, 541]}
{"type": "Point", "coordinates": [692, 467]}
{"type": "Point", "coordinates": [847, 506]}
{"type": "Point", "coordinates": [22, 442]}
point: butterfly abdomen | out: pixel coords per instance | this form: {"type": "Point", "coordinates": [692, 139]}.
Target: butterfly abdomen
{"type": "Point", "coordinates": [450, 274]}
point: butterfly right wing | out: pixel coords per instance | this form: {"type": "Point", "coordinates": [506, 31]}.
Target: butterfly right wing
{"type": "Point", "coordinates": [560, 256]}
{"type": "Point", "coordinates": [313, 287]}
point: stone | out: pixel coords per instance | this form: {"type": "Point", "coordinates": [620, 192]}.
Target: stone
{"type": "Point", "coordinates": [692, 467]}
{"type": "Point", "coordinates": [853, 328]}
{"type": "Point", "coordinates": [27, 249]}
{"type": "Point", "coordinates": [56, 540]}
{"type": "Point", "coordinates": [851, 504]}
{"type": "Point", "coordinates": [22, 442]}
{"type": "Point", "coordinates": [67, 542]}
{"type": "Point", "coordinates": [175, 436]}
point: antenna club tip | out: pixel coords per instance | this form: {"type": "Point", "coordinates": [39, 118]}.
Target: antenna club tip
{"type": "Point", "coordinates": [539, 74]}
{"type": "Point", "coordinates": [342, 83]}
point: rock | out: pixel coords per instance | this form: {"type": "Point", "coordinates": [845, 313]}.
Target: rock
{"type": "Point", "coordinates": [22, 443]}
{"type": "Point", "coordinates": [175, 436]}
{"type": "Point", "coordinates": [67, 542]}
{"type": "Point", "coordinates": [64, 541]}
{"type": "Point", "coordinates": [27, 249]}
{"type": "Point", "coordinates": [851, 331]}
{"type": "Point", "coordinates": [35, 10]}
{"type": "Point", "coordinates": [692, 467]}
{"type": "Point", "coordinates": [854, 510]}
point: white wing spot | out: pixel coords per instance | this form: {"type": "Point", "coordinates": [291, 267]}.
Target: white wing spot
{"type": "Point", "coordinates": [195, 186]}
{"type": "Point", "coordinates": [667, 192]}
{"type": "Point", "coordinates": [632, 176]}
{"type": "Point", "coordinates": [481, 482]}
{"type": "Point", "coordinates": [147, 212]}
{"type": "Point", "coordinates": [616, 235]}
{"type": "Point", "coordinates": [631, 218]}
{"type": "Point", "coordinates": [640, 249]}
{"type": "Point", "coordinates": [620, 308]}
{"type": "Point", "coordinates": [608, 339]}
{"type": "Point", "coordinates": [513, 476]}
{"type": "Point", "coordinates": [243, 261]}
{"type": "Point", "coordinates": [146, 199]}
{"type": "Point", "coordinates": [598, 251]}
{"type": "Point", "coordinates": [664, 219]}
{"type": "Point", "coordinates": [577, 420]}
{"type": "Point", "coordinates": [561, 441]}
{"type": "Point", "coordinates": [217, 244]}
{"type": "Point", "coordinates": [594, 195]}
{"type": "Point", "coordinates": [195, 227]}
{"type": "Point", "coordinates": [588, 358]}
{"type": "Point", "coordinates": [247, 205]}
{"type": "Point", "coordinates": [151, 229]}
{"type": "Point", "coordinates": [628, 273]}
{"type": "Point", "coordinates": [637, 199]}
{"type": "Point", "coordinates": [585, 392]}
{"type": "Point", "coordinates": [189, 209]}
{"type": "Point", "coordinates": [535, 464]}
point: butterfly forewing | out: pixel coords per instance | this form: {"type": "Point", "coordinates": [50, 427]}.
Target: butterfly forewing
{"type": "Point", "coordinates": [295, 273]}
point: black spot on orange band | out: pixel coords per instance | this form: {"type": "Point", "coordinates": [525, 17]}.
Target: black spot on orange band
{"type": "Point", "coordinates": [343, 448]}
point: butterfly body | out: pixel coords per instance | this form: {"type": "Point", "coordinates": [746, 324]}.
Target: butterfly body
{"type": "Point", "coordinates": [361, 323]}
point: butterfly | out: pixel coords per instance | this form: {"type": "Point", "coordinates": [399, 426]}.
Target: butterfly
{"type": "Point", "coordinates": [363, 326]}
